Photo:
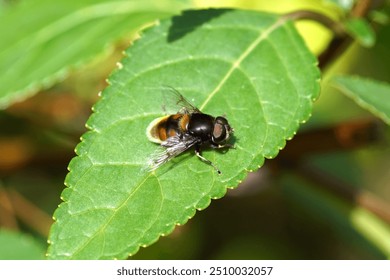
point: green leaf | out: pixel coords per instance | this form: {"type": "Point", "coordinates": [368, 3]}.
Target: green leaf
{"type": "Point", "coordinates": [18, 246]}
{"type": "Point", "coordinates": [42, 39]}
{"type": "Point", "coordinates": [371, 95]}
{"type": "Point", "coordinates": [361, 30]}
{"type": "Point", "coordinates": [251, 66]}
{"type": "Point", "coordinates": [380, 17]}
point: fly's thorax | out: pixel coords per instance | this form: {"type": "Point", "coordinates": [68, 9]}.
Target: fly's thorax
{"type": "Point", "coordinates": [201, 126]}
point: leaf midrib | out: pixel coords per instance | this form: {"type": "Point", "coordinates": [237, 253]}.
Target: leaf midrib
{"type": "Point", "coordinates": [262, 36]}
{"type": "Point", "coordinates": [109, 218]}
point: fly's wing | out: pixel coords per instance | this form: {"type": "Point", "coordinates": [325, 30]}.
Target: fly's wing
{"type": "Point", "coordinates": [178, 101]}
{"type": "Point", "coordinates": [173, 147]}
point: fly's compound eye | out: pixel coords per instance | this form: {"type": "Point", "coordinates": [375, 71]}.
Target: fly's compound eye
{"type": "Point", "coordinates": [221, 130]}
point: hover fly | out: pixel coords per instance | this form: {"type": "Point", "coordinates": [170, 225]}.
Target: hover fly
{"type": "Point", "coordinates": [189, 127]}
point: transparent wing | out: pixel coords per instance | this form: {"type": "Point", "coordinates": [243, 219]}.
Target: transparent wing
{"type": "Point", "coordinates": [172, 147]}
{"type": "Point", "coordinates": [178, 102]}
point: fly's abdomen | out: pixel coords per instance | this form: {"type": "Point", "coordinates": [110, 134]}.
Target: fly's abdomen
{"type": "Point", "coordinates": [162, 128]}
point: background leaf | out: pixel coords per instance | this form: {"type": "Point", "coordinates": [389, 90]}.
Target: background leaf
{"type": "Point", "coordinates": [253, 67]}
{"type": "Point", "coordinates": [17, 246]}
{"type": "Point", "coordinates": [40, 40]}
{"type": "Point", "coordinates": [360, 29]}
{"type": "Point", "coordinates": [369, 94]}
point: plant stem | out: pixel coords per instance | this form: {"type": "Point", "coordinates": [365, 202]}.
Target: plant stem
{"type": "Point", "coordinates": [7, 212]}
{"type": "Point", "coordinates": [336, 27]}
{"type": "Point", "coordinates": [341, 40]}
{"type": "Point", "coordinates": [361, 8]}
{"type": "Point", "coordinates": [30, 214]}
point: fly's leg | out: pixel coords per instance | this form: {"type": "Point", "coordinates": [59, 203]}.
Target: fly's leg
{"type": "Point", "coordinates": [197, 152]}
{"type": "Point", "coordinates": [230, 146]}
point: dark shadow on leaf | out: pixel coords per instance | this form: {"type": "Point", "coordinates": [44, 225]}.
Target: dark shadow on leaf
{"type": "Point", "coordinates": [188, 21]}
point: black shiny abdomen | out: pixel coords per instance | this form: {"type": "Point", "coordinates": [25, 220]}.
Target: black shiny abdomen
{"type": "Point", "coordinates": [201, 125]}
